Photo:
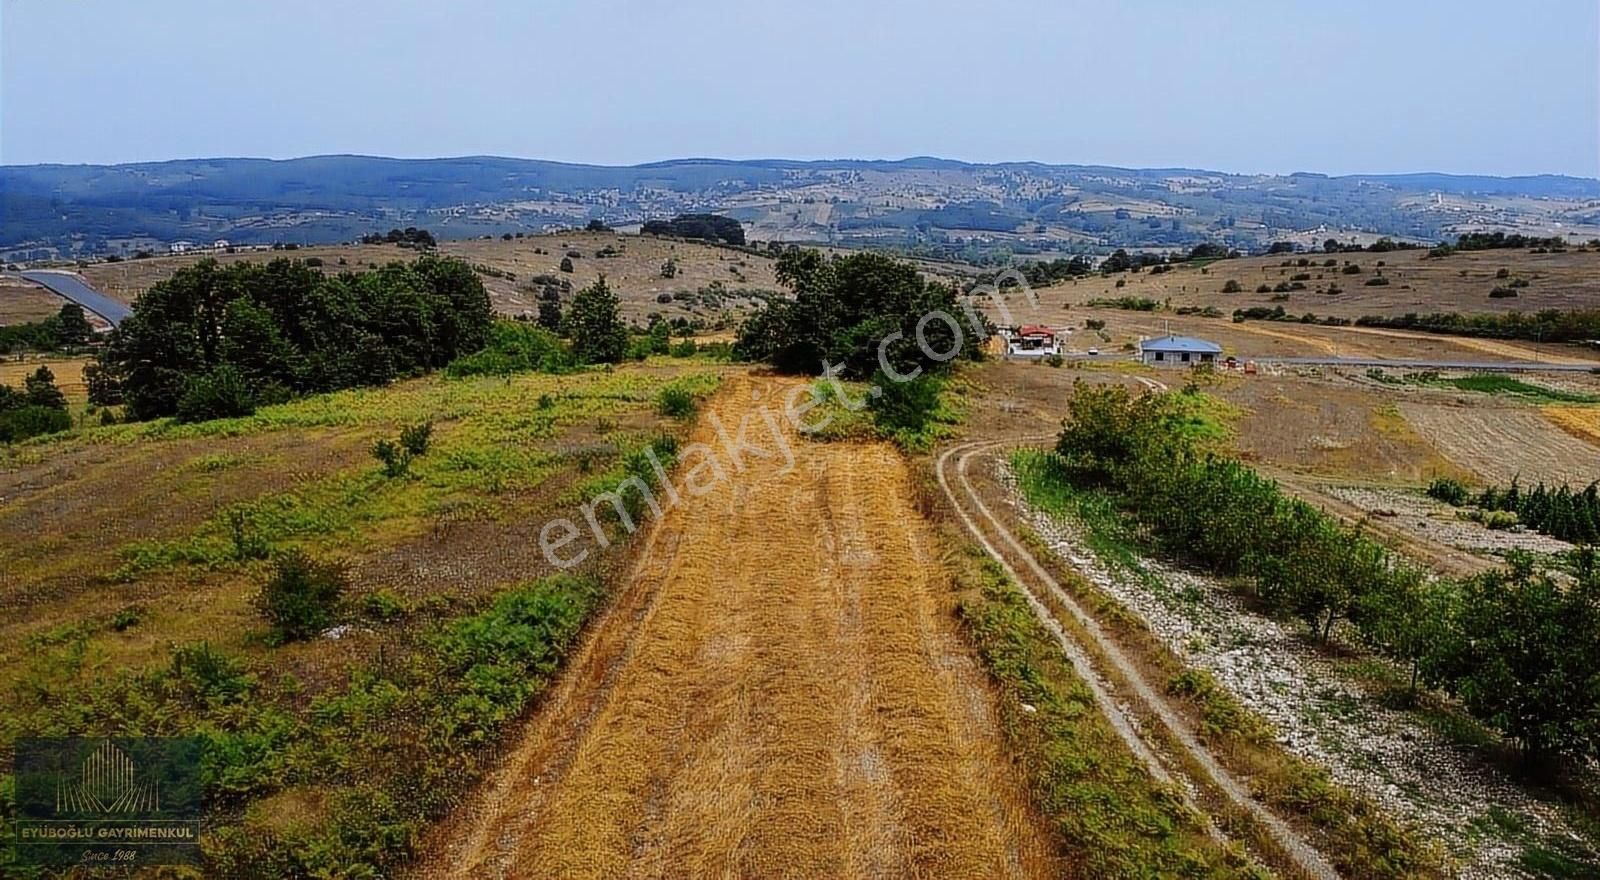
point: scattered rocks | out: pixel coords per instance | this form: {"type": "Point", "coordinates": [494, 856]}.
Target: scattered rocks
{"type": "Point", "coordinates": [1316, 711]}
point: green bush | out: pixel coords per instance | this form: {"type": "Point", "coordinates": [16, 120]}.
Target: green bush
{"type": "Point", "coordinates": [301, 598]}
{"type": "Point", "coordinates": [1451, 491]}
{"type": "Point", "coordinates": [27, 421]}
{"type": "Point", "coordinates": [220, 394]}
{"type": "Point", "coordinates": [684, 349]}
{"type": "Point", "coordinates": [904, 406]}
{"type": "Point", "coordinates": [675, 402]}
{"type": "Point", "coordinates": [395, 459]}
{"type": "Point", "coordinates": [515, 347]}
{"type": "Point", "coordinates": [414, 439]}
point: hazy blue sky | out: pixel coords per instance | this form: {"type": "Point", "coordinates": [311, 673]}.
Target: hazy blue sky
{"type": "Point", "coordinates": [1336, 86]}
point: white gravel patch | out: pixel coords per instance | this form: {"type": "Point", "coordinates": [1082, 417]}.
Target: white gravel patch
{"type": "Point", "coordinates": [1438, 522]}
{"type": "Point", "coordinates": [1317, 713]}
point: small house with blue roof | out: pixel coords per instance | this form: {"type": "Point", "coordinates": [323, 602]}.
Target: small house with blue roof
{"type": "Point", "coordinates": [1179, 351]}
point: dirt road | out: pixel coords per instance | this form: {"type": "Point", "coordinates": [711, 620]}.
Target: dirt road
{"type": "Point", "coordinates": [779, 692]}
{"type": "Point", "coordinates": [1041, 589]}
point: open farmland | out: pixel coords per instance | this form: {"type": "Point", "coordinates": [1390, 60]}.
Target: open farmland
{"type": "Point", "coordinates": [129, 551]}
{"type": "Point", "coordinates": [1460, 282]}
{"type": "Point", "coordinates": [634, 272]}
{"type": "Point", "coordinates": [1500, 444]}
{"type": "Point", "coordinates": [22, 301]}
{"type": "Point", "coordinates": [782, 693]}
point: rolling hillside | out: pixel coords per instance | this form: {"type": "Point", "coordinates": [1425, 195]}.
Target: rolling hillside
{"type": "Point", "coordinates": [936, 205]}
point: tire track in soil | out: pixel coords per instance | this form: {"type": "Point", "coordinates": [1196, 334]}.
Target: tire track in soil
{"type": "Point", "coordinates": [981, 522]}
{"type": "Point", "coordinates": [780, 691]}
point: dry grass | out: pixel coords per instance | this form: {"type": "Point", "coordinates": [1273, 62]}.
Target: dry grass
{"type": "Point", "coordinates": [1416, 283]}
{"type": "Point", "coordinates": [1582, 422]}
{"type": "Point", "coordinates": [634, 275]}
{"type": "Point", "coordinates": [68, 372]}
{"type": "Point", "coordinates": [22, 301]}
{"type": "Point", "coordinates": [794, 701]}
{"type": "Point", "coordinates": [1504, 443]}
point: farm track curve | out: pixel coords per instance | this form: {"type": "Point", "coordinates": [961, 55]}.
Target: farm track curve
{"type": "Point", "coordinates": [1042, 590]}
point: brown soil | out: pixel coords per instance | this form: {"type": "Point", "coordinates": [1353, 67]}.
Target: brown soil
{"type": "Point", "coordinates": [779, 692]}
{"type": "Point", "coordinates": [1499, 443]}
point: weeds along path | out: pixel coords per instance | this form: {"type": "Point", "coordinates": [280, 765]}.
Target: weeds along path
{"type": "Point", "coordinates": [780, 691]}
{"type": "Point", "coordinates": [1042, 591]}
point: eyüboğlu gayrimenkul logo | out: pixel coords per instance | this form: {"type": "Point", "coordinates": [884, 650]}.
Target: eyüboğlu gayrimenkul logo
{"type": "Point", "coordinates": [114, 802]}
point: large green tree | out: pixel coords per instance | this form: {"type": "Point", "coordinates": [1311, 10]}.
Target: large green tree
{"type": "Point", "coordinates": [592, 323]}
{"type": "Point", "coordinates": [285, 327]}
{"type": "Point", "coordinates": [847, 310]}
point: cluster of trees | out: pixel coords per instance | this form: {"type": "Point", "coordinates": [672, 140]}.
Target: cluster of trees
{"type": "Point", "coordinates": [1558, 512]}
{"type": "Point", "coordinates": [1381, 246]}
{"type": "Point", "coordinates": [38, 408]}
{"type": "Point", "coordinates": [850, 311]}
{"type": "Point", "coordinates": [213, 341]}
{"type": "Point", "coordinates": [1547, 325]}
{"type": "Point", "coordinates": [64, 329]}
{"type": "Point", "coordinates": [1515, 646]}
{"type": "Point", "coordinates": [1277, 313]}
{"type": "Point", "coordinates": [1488, 241]}
{"type": "Point", "coordinates": [410, 236]}
{"type": "Point", "coordinates": [706, 227]}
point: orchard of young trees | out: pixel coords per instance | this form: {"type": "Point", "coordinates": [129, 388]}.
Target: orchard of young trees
{"type": "Point", "coordinates": [1516, 646]}
{"type": "Point", "coordinates": [213, 341]}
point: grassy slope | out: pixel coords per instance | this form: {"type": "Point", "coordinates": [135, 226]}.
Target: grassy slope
{"type": "Point", "coordinates": [315, 751]}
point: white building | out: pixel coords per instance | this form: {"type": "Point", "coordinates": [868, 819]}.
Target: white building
{"type": "Point", "coordinates": [1178, 351]}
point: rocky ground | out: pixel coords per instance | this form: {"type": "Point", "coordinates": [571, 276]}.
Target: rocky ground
{"type": "Point", "coordinates": [1484, 819]}
{"type": "Point", "coordinates": [1439, 522]}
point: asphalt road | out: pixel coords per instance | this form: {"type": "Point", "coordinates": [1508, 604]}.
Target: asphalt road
{"type": "Point", "coordinates": [74, 288]}
{"type": "Point", "coordinates": [1472, 366]}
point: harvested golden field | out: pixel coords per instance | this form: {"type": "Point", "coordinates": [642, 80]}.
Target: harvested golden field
{"type": "Point", "coordinates": [1417, 283]}
{"type": "Point", "coordinates": [68, 372]}
{"type": "Point", "coordinates": [781, 692]}
{"type": "Point", "coordinates": [1582, 422]}
{"type": "Point", "coordinates": [22, 301]}
{"type": "Point", "coordinates": [1500, 443]}
{"type": "Point", "coordinates": [634, 272]}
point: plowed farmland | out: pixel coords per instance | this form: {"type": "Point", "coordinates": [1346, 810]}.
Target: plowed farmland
{"type": "Point", "coordinates": [1500, 443]}
{"type": "Point", "coordinates": [778, 692]}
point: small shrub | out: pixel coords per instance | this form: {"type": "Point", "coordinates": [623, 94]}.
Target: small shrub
{"type": "Point", "coordinates": [383, 606]}
{"type": "Point", "coordinates": [219, 394]}
{"type": "Point", "coordinates": [684, 349]}
{"type": "Point", "coordinates": [1055, 360]}
{"type": "Point", "coordinates": [396, 460]}
{"type": "Point", "coordinates": [127, 618]}
{"type": "Point", "coordinates": [675, 402]}
{"type": "Point", "coordinates": [1502, 293]}
{"type": "Point", "coordinates": [247, 545]}
{"type": "Point", "coordinates": [1451, 491]}
{"type": "Point", "coordinates": [414, 439]}
{"type": "Point", "coordinates": [1232, 286]}
{"type": "Point", "coordinates": [1377, 281]}
{"type": "Point", "coordinates": [1264, 288]}
{"type": "Point", "coordinates": [210, 675]}
{"type": "Point", "coordinates": [1352, 269]}
{"type": "Point", "coordinates": [302, 596]}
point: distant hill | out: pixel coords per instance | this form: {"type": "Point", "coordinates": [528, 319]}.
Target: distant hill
{"type": "Point", "coordinates": [923, 203]}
